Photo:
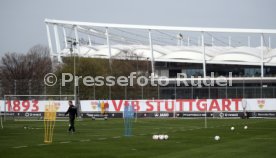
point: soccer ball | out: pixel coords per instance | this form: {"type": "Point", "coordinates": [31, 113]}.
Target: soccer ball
{"type": "Point", "coordinates": [245, 127]}
{"type": "Point", "coordinates": [155, 137]}
{"type": "Point", "coordinates": [161, 137]}
{"type": "Point", "coordinates": [232, 128]}
{"type": "Point", "coordinates": [166, 137]}
{"type": "Point", "coordinates": [217, 138]}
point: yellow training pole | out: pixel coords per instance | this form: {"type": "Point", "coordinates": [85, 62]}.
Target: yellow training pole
{"type": "Point", "coordinates": [49, 122]}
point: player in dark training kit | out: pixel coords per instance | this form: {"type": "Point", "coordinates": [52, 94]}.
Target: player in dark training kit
{"type": "Point", "coordinates": [72, 111]}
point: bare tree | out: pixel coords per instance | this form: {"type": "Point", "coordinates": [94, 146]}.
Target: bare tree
{"type": "Point", "coordinates": [25, 70]}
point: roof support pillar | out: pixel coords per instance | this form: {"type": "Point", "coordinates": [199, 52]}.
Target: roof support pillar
{"type": "Point", "coordinates": [49, 41]}
{"type": "Point", "coordinates": [212, 41]}
{"type": "Point", "coordinates": [57, 42]}
{"type": "Point", "coordinates": [262, 55]}
{"type": "Point", "coordinates": [269, 42]}
{"type": "Point", "coordinates": [89, 41]}
{"type": "Point", "coordinates": [229, 41]}
{"type": "Point", "coordinates": [204, 60]}
{"type": "Point", "coordinates": [64, 37]}
{"type": "Point", "coordinates": [109, 47]}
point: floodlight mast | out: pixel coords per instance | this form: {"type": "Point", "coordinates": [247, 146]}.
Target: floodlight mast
{"type": "Point", "coordinates": [73, 44]}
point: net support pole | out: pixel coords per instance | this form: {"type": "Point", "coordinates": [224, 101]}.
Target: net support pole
{"type": "Point", "coordinates": [94, 92]}
{"type": "Point", "coordinates": [1, 116]}
{"type": "Point", "coordinates": [75, 84]}
{"type": "Point", "coordinates": [5, 108]}
{"type": "Point", "coordinates": [158, 93]}
{"type": "Point", "coordinates": [174, 98]}
{"type": "Point", "coordinates": [1, 122]}
{"type": "Point", "coordinates": [109, 52]}
{"type": "Point", "coordinates": [203, 50]}
{"type": "Point", "coordinates": [15, 87]}
{"type": "Point", "coordinates": [57, 42]}
{"type": "Point", "coordinates": [142, 92]}
{"type": "Point", "coordinates": [152, 54]}
{"type": "Point", "coordinates": [136, 116]}
{"type": "Point", "coordinates": [205, 118]}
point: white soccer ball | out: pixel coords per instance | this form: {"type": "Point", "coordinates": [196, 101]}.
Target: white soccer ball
{"type": "Point", "coordinates": [245, 127]}
{"type": "Point", "coordinates": [155, 137]}
{"type": "Point", "coordinates": [166, 137]}
{"type": "Point", "coordinates": [161, 137]}
{"type": "Point", "coordinates": [232, 128]}
{"type": "Point", "coordinates": [217, 138]}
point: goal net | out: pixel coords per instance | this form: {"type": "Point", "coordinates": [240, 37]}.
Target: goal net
{"type": "Point", "coordinates": [32, 107]}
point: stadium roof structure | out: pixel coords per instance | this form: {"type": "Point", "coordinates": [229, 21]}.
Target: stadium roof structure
{"type": "Point", "coordinates": [189, 54]}
{"type": "Point", "coordinates": [163, 43]}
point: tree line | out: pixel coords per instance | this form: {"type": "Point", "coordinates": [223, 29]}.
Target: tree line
{"type": "Point", "coordinates": [23, 74]}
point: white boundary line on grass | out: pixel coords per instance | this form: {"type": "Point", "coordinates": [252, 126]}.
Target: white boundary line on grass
{"type": "Point", "coordinates": [85, 140]}
{"type": "Point", "coordinates": [65, 142]}
{"type": "Point", "coordinates": [17, 147]}
{"type": "Point", "coordinates": [42, 144]}
{"type": "Point", "coordinates": [258, 138]}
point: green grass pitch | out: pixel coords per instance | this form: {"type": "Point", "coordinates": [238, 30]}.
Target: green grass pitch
{"type": "Point", "coordinates": [187, 138]}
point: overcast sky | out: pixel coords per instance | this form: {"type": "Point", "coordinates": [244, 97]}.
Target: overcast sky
{"type": "Point", "coordinates": [22, 21]}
